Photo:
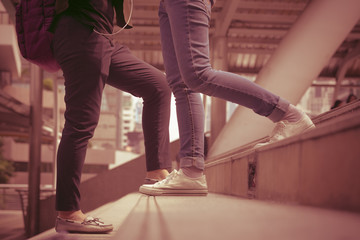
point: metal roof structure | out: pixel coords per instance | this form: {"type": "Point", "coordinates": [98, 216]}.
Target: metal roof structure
{"type": "Point", "coordinates": [253, 28]}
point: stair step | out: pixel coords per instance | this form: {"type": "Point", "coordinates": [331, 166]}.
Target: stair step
{"type": "Point", "coordinates": [140, 217]}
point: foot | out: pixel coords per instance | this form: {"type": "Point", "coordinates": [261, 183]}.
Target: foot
{"type": "Point", "coordinates": [72, 215]}
{"type": "Point", "coordinates": [284, 129]}
{"type": "Point", "coordinates": [88, 225]}
{"type": "Point", "coordinates": [177, 183]}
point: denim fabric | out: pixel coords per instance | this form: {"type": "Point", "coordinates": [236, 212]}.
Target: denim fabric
{"type": "Point", "coordinates": [184, 26]}
{"type": "Point", "coordinates": [89, 61]}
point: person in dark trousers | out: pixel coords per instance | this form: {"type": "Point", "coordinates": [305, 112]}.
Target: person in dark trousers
{"type": "Point", "coordinates": [184, 28]}
{"type": "Point", "coordinates": [89, 60]}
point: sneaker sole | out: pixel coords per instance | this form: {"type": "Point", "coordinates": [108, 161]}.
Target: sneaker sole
{"type": "Point", "coordinates": [310, 127]}
{"type": "Point", "coordinates": [173, 192]}
{"type": "Point", "coordinates": [84, 231]}
{"type": "Point", "coordinates": [71, 229]}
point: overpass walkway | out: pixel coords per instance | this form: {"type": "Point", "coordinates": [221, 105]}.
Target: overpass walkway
{"type": "Point", "coordinates": [140, 217]}
{"type": "Point", "coordinates": [304, 187]}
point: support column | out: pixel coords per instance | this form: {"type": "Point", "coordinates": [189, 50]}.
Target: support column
{"type": "Point", "coordinates": [36, 86]}
{"type": "Point", "coordinates": [56, 118]}
{"type": "Point", "coordinates": [299, 59]}
{"type": "Point", "coordinates": [218, 106]}
{"type": "Point", "coordinates": [119, 112]}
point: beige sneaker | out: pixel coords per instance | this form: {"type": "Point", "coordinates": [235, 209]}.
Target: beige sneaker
{"type": "Point", "coordinates": [89, 225]}
{"type": "Point", "coordinates": [176, 183]}
{"type": "Point", "coordinates": [284, 129]}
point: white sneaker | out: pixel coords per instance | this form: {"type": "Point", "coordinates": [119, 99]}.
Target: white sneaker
{"type": "Point", "coordinates": [176, 183]}
{"type": "Point", "coordinates": [284, 129]}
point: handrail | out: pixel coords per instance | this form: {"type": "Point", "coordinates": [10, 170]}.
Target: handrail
{"type": "Point", "coordinates": [23, 186]}
{"type": "Point", "coordinates": [248, 148]}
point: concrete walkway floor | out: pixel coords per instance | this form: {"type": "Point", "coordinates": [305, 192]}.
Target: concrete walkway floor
{"type": "Point", "coordinates": [139, 217]}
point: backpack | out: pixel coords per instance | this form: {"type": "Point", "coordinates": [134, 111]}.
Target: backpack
{"type": "Point", "coordinates": [33, 20]}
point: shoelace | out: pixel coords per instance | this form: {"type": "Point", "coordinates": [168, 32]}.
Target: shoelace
{"type": "Point", "coordinates": [168, 178]}
{"type": "Point", "coordinates": [278, 131]}
{"type": "Point", "coordinates": [95, 221]}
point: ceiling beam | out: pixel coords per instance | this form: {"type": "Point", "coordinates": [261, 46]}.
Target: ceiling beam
{"type": "Point", "coordinates": [257, 32]}
{"type": "Point", "coordinates": [145, 14]}
{"type": "Point", "coordinates": [260, 17]}
{"type": "Point", "coordinates": [269, 5]}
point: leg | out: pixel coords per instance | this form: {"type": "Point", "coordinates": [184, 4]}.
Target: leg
{"type": "Point", "coordinates": [132, 75]}
{"type": "Point", "coordinates": [189, 108]}
{"type": "Point", "coordinates": [189, 179]}
{"type": "Point", "coordinates": [84, 58]}
{"type": "Point", "coordinates": [189, 22]}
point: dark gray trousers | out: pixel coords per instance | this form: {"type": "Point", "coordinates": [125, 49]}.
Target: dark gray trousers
{"type": "Point", "coordinates": [89, 61]}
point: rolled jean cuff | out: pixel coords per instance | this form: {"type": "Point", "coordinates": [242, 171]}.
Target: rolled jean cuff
{"type": "Point", "coordinates": [279, 111]}
{"type": "Point", "coordinates": [192, 162]}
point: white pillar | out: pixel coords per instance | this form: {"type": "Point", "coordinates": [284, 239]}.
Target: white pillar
{"type": "Point", "coordinates": [299, 59]}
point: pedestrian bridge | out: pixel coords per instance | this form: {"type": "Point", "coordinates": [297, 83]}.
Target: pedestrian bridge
{"type": "Point", "coordinates": [217, 216]}
{"type": "Point", "coordinates": [303, 187]}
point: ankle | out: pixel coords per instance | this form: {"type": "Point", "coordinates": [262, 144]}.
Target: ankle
{"type": "Point", "coordinates": [192, 172]}
{"type": "Point", "coordinates": [158, 174]}
{"type": "Point", "coordinates": [72, 215]}
{"type": "Point", "coordinates": [293, 114]}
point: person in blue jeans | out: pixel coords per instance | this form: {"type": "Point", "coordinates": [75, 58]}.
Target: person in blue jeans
{"type": "Point", "coordinates": [89, 60]}
{"type": "Point", "coordinates": [184, 28]}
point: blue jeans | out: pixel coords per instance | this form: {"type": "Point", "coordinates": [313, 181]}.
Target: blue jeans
{"type": "Point", "coordinates": [184, 27]}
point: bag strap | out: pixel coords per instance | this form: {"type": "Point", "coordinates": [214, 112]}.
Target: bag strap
{"type": "Point", "coordinates": [126, 24]}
